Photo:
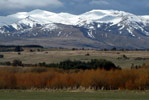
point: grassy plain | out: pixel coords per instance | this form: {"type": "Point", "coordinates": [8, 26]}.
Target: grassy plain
{"type": "Point", "coordinates": [55, 56]}
{"type": "Point", "coordinates": [59, 95]}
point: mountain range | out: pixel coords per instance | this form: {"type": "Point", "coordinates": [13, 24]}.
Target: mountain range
{"type": "Point", "coordinates": [94, 29]}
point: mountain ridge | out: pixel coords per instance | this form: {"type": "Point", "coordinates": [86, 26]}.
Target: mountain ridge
{"type": "Point", "coordinates": [111, 28]}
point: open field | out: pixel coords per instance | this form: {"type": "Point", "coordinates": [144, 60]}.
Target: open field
{"type": "Point", "coordinates": [27, 77]}
{"type": "Point", "coordinates": [54, 56]}
{"type": "Point", "coordinates": [98, 95]}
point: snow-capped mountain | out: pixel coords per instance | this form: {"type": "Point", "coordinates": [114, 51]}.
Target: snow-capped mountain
{"type": "Point", "coordinates": [146, 17]}
{"type": "Point", "coordinates": [107, 28]}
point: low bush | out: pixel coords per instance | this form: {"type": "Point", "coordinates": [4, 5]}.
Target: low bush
{"type": "Point", "coordinates": [1, 56]}
{"type": "Point", "coordinates": [17, 63]}
{"type": "Point", "coordinates": [135, 79]}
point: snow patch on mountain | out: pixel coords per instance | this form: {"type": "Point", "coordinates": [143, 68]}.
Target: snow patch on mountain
{"type": "Point", "coordinates": [146, 17]}
{"type": "Point", "coordinates": [50, 27]}
{"type": "Point", "coordinates": [35, 18]}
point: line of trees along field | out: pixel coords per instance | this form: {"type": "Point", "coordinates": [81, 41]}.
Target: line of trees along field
{"type": "Point", "coordinates": [135, 79]}
{"type": "Point", "coordinates": [68, 64]}
{"type": "Point", "coordinates": [17, 48]}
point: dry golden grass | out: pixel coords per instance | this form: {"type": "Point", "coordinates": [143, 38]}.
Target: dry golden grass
{"type": "Point", "coordinates": [135, 79]}
{"type": "Point", "coordinates": [54, 56]}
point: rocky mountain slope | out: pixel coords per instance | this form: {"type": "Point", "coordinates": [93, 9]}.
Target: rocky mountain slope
{"type": "Point", "coordinates": [93, 29]}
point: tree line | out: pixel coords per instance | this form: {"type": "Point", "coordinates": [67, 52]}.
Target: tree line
{"type": "Point", "coordinates": [93, 64]}
{"type": "Point", "coordinates": [68, 64]}
{"type": "Point", "coordinates": [17, 48]}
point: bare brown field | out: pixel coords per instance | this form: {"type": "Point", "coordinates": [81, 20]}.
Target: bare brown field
{"type": "Point", "coordinates": [55, 56]}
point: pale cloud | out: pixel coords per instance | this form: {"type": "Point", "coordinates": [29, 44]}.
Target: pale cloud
{"type": "Point", "coordinates": [99, 2]}
{"type": "Point", "coordinates": [74, 6]}
{"type": "Point", "coordinates": [13, 4]}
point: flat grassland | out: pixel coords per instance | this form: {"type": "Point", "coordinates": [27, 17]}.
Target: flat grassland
{"type": "Point", "coordinates": [124, 59]}
{"type": "Point", "coordinates": [59, 95]}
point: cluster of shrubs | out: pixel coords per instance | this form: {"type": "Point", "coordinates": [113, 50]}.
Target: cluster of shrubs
{"type": "Point", "coordinates": [136, 79]}
{"type": "Point", "coordinates": [93, 64]}
{"type": "Point", "coordinates": [13, 63]}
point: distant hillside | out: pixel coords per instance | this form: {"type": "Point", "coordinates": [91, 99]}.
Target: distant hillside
{"type": "Point", "coordinates": [93, 29]}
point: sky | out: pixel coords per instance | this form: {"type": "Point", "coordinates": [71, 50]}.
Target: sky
{"type": "Point", "coordinates": [138, 7]}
